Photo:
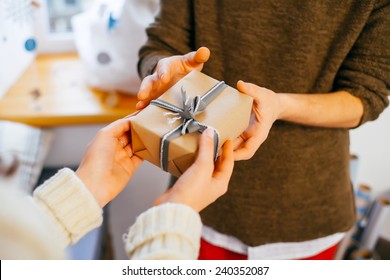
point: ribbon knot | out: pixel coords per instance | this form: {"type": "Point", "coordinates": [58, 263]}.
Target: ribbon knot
{"type": "Point", "coordinates": [190, 108]}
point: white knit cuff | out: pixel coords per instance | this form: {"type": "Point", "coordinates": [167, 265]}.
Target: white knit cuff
{"type": "Point", "coordinates": [72, 205]}
{"type": "Point", "coordinates": [167, 231]}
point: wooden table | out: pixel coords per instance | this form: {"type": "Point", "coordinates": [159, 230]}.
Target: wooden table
{"type": "Point", "coordinates": [52, 92]}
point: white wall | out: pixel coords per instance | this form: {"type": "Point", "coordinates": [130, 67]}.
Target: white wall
{"type": "Point", "coordinates": [15, 29]}
{"type": "Point", "coordinates": [371, 143]}
{"type": "Point", "coordinates": [69, 144]}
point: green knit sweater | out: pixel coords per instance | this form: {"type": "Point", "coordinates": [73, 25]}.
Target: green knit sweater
{"type": "Point", "coordinates": [297, 186]}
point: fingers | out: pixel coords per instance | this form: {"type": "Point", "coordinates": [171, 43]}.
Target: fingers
{"type": "Point", "coordinates": [205, 158]}
{"type": "Point", "coordinates": [141, 104]}
{"type": "Point", "coordinates": [224, 166]}
{"type": "Point", "coordinates": [136, 160]}
{"type": "Point", "coordinates": [132, 115]}
{"type": "Point", "coordinates": [127, 153]}
{"type": "Point", "coordinates": [145, 91]}
{"type": "Point", "coordinates": [146, 87]}
{"type": "Point", "coordinates": [247, 149]}
{"type": "Point", "coordinates": [195, 59]}
{"type": "Point", "coordinates": [248, 89]}
{"type": "Point", "coordinates": [237, 142]}
{"type": "Point", "coordinates": [241, 86]}
{"type": "Point", "coordinates": [253, 90]}
{"type": "Point", "coordinates": [167, 70]}
{"type": "Point", "coordinates": [163, 73]}
{"type": "Point", "coordinates": [154, 85]}
{"type": "Point", "coordinates": [118, 128]}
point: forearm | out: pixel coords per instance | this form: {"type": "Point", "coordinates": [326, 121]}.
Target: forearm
{"type": "Point", "coordinates": [338, 109]}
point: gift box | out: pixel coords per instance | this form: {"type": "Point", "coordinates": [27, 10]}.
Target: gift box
{"type": "Point", "coordinates": [166, 132]}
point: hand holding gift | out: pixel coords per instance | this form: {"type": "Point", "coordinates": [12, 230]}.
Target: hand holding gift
{"type": "Point", "coordinates": [109, 163]}
{"type": "Point", "coordinates": [166, 132]}
{"type": "Point", "coordinates": [167, 72]}
{"type": "Point", "coordinates": [203, 182]}
{"type": "Point", "coordinates": [266, 110]}
{"type": "Point", "coordinates": [171, 69]}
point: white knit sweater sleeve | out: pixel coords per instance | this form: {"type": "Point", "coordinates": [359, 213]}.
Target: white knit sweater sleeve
{"type": "Point", "coordinates": [167, 231]}
{"type": "Point", "coordinates": [69, 204]}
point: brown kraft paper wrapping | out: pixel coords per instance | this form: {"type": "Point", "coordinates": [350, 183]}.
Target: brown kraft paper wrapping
{"type": "Point", "coordinates": [228, 113]}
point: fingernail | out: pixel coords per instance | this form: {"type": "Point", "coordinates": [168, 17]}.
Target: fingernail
{"type": "Point", "coordinates": [138, 105]}
{"type": "Point", "coordinates": [209, 132]}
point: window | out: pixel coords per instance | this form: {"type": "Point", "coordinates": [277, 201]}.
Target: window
{"type": "Point", "coordinates": [53, 24]}
{"type": "Point", "coordinates": [60, 14]}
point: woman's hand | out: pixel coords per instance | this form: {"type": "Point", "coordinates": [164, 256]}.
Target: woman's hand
{"type": "Point", "coordinates": [109, 162]}
{"type": "Point", "coordinates": [168, 71]}
{"type": "Point", "coordinates": [203, 182]}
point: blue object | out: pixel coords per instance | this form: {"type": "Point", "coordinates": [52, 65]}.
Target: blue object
{"type": "Point", "coordinates": [112, 22]}
{"type": "Point", "coordinates": [30, 45]}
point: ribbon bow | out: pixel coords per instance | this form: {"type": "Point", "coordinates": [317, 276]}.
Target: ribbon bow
{"type": "Point", "coordinates": [190, 108]}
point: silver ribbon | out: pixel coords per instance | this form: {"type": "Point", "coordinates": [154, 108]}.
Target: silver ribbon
{"type": "Point", "coordinates": [190, 108]}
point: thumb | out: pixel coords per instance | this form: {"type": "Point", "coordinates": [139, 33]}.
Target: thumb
{"type": "Point", "coordinates": [247, 88]}
{"type": "Point", "coordinates": [194, 59]}
{"type": "Point", "coordinates": [205, 157]}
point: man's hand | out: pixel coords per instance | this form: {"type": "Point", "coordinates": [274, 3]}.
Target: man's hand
{"type": "Point", "coordinates": [333, 109]}
{"type": "Point", "coordinates": [266, 110]}
{"type": "Point", "coordinates": [168, 71]}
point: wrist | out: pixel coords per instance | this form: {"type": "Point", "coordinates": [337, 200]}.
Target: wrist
{"type": "Point", "coordinates": [284, 100]}
{"type": "Point", "coordinates": [177, 199]}
{"type": "Point", "coordinates": [85, 178]}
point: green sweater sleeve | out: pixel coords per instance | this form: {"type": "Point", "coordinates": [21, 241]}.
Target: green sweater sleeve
{"type": "Point", "coordinates": [169, 35]}
{"type": "Point", "coordinates": [365, 72]}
